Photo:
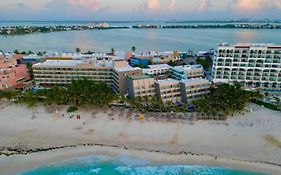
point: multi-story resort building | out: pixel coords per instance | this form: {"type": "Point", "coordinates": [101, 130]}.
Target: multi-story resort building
{"type": "Point", "coordinates": [121, 70]}
{"type": "Point", "coordinates": [141, 86]}
{"type": "Point", "coordinates": [168, 89]}
{"type": "Point", "coordinates": [61, 72]}
{"type": "Point", "coordinates": [13, 75]}
{"type": "Point", "coordinates": [187, 72]}
{"type": "Point", "coordinates": [252, 65]}
{"type": "Point", "coordinates": [125, 79]}
{"type": "Point", "coordinates": [194, 89]}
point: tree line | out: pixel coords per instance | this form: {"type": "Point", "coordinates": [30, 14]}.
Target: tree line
{"type": "Point", "coordinates": [77, 93]}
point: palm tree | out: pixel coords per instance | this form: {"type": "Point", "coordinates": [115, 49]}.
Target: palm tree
{"type": "Point", "coordinates": [113, 51]}
{"type": "Point", "coordinates": [16, 51]}
{"type": "Point", "coordinates": [78, 50]}
{"type": "Point", "coordinates": [134, 49]}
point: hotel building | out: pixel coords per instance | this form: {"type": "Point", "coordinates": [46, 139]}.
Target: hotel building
{"type": "Point", "coordinates": [194, 89]}
{"type": "Point", "coordinates": [13, 75]}
{"type": "Point", "coordinates": [61, 72]}
{"type": "Point", "coordinates": [252, 65]}
{"type": "Point", "coordinates": [141, 86]}
{"type": "Point", "coordinates": [167, 90]}
{"type": "Point", "coordinates": [187, 72]}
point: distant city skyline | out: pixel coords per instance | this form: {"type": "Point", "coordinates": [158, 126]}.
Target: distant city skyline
{"type": "Point", "coordinates": [139, 9]}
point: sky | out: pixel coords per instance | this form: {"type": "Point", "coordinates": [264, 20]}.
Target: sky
{"type": "Point", "coordinates": [139, 9]}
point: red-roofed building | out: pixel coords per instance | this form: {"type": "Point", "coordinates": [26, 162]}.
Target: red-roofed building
{"type": "Point", "coordinates": [12, 73]}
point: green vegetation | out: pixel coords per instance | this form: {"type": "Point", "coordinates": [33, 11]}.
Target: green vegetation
{"type": "Point", "coordinates": [112, 51]}
{"type": "Point", "coordinates": [30, 70]}
{"type": "Point", "coordinates": [9, 95]}
{"type": "Point", "coordinates": [226, 99]}
{"type": "Point", "coordinates": [205, 62]}
{"type": "Point", "coordinates": [40, 53]}
{"type": "Point", "coordinates": [152, 104]}
{"type": "Point", "coordinates": [81, 92]}
{"type": "Point", "coordinates": [172, 63]}
{"type": "Point", "coordinates": [78, 50]}
{"type": "Point", "coordinates": [134, 49]}
{"type": "Point", "coordinates": [72, 109]}
{"type": "Point", "coordinates": [78, 93]}
{"type": "Point", "coordinates": [22, 30]}
{"type": "Point", "coordinates": [267, 105]}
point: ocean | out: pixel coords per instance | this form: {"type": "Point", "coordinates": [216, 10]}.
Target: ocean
{"type": "Point", "coordinates": [123, 39]}
{"type": "Point", "coordinates": [121, 165]}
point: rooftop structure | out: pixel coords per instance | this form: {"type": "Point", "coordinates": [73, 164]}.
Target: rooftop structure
{"type": "Point", "coordinates": [187, 72]}
{"type": "Point", "coordinates": [157, 70]}
{"type": "Point", "coordinates": [150, 58]}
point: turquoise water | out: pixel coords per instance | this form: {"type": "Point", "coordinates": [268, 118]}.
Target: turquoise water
{"type": "Point", "coordinates": [124, 39]}
{"type": "Point", "coordinates": [104, 165]}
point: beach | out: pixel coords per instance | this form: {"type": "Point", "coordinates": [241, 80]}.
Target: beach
{"type": "Point", "coordinates": [239, 142]}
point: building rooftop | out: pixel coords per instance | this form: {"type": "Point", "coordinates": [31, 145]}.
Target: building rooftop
{"type": "Point", "coordinates": [187, 67]}
{"type": "Point", "coordinates": [169, 80]}
{"type": "Point", "coordinates": [194, 81]}
{"type": "Point", "coordinates": [247, 45]}
{"type": "Point", "coordinates": [126, 68]}
{"type": "Point", "coordinates": [140, 77]}
{"type": "Point", "coordinates": [159, 66]}
{"type": "Point", "coordinates": [62, 63]}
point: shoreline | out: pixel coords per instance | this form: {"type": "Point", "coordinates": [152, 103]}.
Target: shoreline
{"type": "Point", "coordinates": [33, 137]}
{"type": "Point", "coordinates": [60, 155]}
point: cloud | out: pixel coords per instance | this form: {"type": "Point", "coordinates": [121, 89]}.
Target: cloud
{"type": "Point", "coordinates": [158, 4]}
{"type": "Point", "coordinates": [21, 5]}
{"type": "Point", "coordinates": [255, 5]}
{"type": "Point", "coordinates": [152, 4]}
{"type": "Point", "coordinates": [248, 4]}
{"type": "Point", "coordinates": [90, 4]}
{"type": "Point", "coordinates": [93, 5]}
{"type": "Point", "coordinates": [172, 5]}
{"type": "Point", "coordinates": [204, 5]}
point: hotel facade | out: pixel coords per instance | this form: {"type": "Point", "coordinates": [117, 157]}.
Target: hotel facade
{"type": "Point", "coordinates": [252, 65]}
{"type": "Point", "coordinates": [168, 89]}
{"type": "Point", "coordinates": [61, 72]}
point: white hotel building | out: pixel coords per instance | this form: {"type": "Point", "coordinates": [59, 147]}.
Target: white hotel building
{"type": "Point", "coordinates": [252, 65]}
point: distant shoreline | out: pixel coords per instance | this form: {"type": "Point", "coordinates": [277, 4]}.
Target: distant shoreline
{"type": "Point", "coordinates": [24, 30]}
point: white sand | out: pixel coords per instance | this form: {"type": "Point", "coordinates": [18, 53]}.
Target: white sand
{"type": "Point", "coordinates": [239, 138]}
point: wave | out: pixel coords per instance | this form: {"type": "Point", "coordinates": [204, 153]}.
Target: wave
{"type": "Point", "coordinates": [124, 165]}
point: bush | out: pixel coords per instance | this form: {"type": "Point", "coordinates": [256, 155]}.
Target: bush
{"type": "Point", "coordinates": [267, 105]}
{"type": "Point", "coordinates": [72, 109]}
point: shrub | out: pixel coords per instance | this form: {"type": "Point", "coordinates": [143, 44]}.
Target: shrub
{"type": "Point", "coordinates": [72, 109]}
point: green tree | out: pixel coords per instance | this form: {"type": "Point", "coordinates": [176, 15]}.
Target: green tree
{"type": "Point", "coordinates": [226, 99]}
{"type": "Point", "coordinates": [112, 51]}
{"type": "Point", "coordinates": [30, 70]}
{"type": "Point", "coordinates": [205, 62]}
{"type": "Point", "coordinates": [78, 50]}
{"type": "Point", "coordinates": [134, 49]}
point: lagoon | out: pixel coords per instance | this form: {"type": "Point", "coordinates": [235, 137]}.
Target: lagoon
{"type": "Point", "coordinates": [143, 39]}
